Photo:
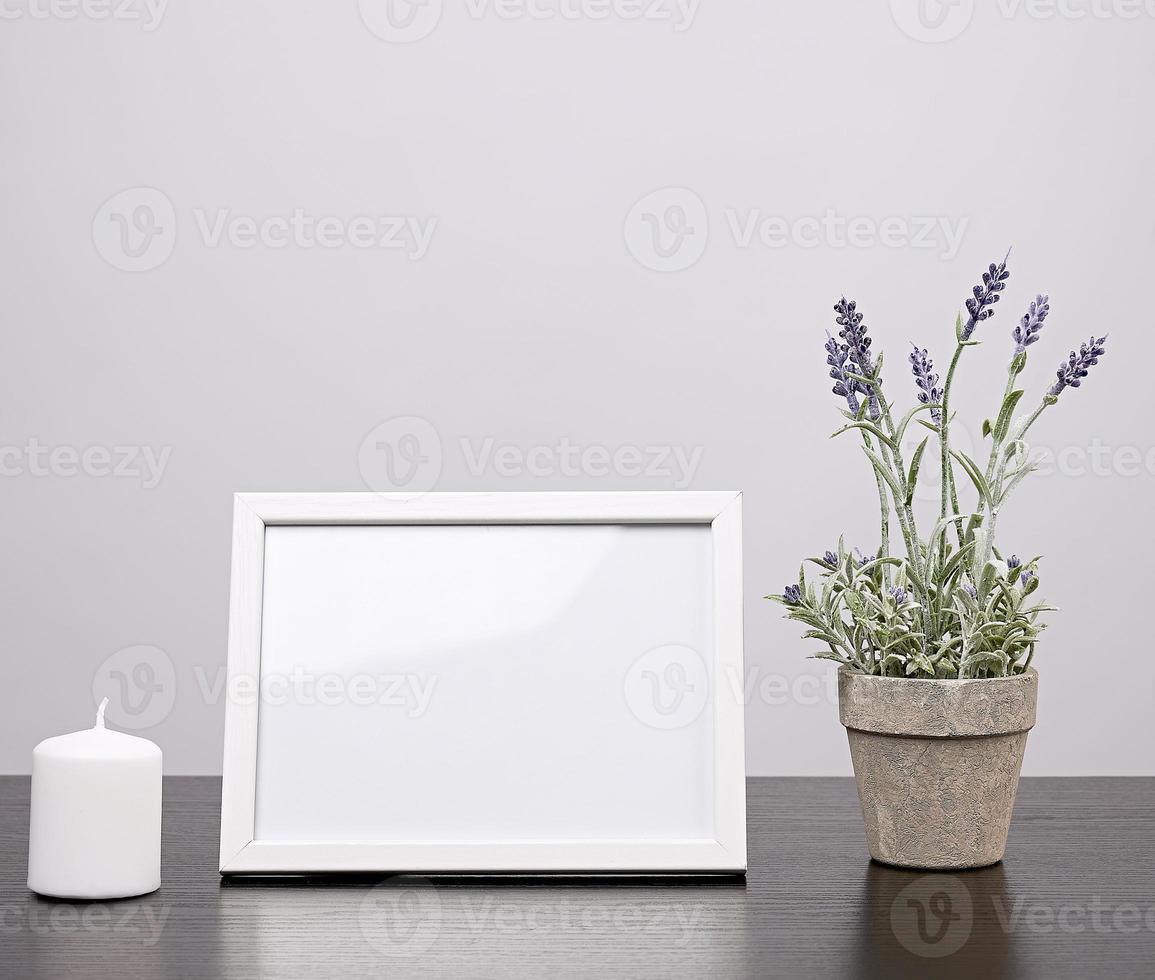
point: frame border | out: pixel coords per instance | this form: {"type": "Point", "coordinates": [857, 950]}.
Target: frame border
{"type": "Point", "coordinates": [241, 854]}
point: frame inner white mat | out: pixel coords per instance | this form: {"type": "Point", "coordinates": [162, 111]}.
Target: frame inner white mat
{"type": "Point", "coordinates": [501, 682]}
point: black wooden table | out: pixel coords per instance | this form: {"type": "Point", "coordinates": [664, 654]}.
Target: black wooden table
{"type": "Point", "coordinates": [1075, 897]}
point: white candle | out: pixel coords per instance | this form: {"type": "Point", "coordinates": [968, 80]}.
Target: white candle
{"type": "Point", "coordinates": [95, 823]}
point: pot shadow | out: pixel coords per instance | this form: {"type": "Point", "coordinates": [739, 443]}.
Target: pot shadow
{"type": "Point", "coordinates": [941, 924]}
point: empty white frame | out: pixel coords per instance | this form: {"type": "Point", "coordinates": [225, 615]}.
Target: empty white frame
{"type": "Point", "coordinates": [485, 683]}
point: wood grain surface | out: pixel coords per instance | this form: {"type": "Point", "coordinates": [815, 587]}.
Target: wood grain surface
{"type": "Point", "coordinates": [1074, 897]}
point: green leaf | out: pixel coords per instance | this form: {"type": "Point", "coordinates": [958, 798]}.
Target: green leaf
{"type": "Point", "coordinates": [866, 427]}
{"type": "Point", "coordinates": [891, 560]}
{"type": "Point", "coordinates": [976, 476]}
{"type": "Point", "coordinates": [912, 478]}
{"type": "Point", "coordinates": [1003, 423]}
{"type": "Point", "coordinates": [900, 431]}
{"type": "Point", "coordinates": [987, 579]}
{"type": "Point", "coordinates": [986, 427]}
{"type": "Point", "coordinates": [902, 639]}
{"type": "Point", "coordinates": [918, 583]}
{"type": "Point", "coordinates": [984, 659]}
{"type": "Point", "coordinates": [830, 655]}
{"type": "Point", "coordinates": [919, 663]}
{"type": "Point", "coordinates": [884, 471]}
{"type": "Point", "coordinates": [942, 524]}
{"type": "Point", "coordinates": [958, 327]}
{"type": "Point", "coordinates": [1015, 479]}
{"type": "Point", "coordinates": [953, 562]}
{"type": "Point", "coordinates": [893, 660]}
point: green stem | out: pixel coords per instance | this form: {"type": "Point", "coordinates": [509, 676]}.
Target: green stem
{"type": "Point", "coordinates": [906, 521]}
{"type": "Point", "coordinates": [993, 463]}
{"type": "Point", "coordinates": [884, 515]}
{"type": "Point", "coordinates": [949, 492]}
{"type": "Point", "coordinates": [1012, 374]}
{"type": "Point", "coordinates": [996, 487]}
{"type": "Point", "coordinates": [884, 522]}
{"type": "Point", "coordinates": [1047, 402]}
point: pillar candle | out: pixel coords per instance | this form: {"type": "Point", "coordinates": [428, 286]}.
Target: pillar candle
{"type": "Point", "coordinates": [95, 819]}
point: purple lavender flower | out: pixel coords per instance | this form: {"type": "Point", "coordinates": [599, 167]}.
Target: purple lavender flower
{"type": "Point", "coordinates": [1027, 332]}
{"type": "Point", "coordinates": [831, 559]}
{"type": "Point", "coordinates": [792, 594]}
{"type": "Point", "coordinates": [898, 594]}
{"type": "Point", "coordinates": [1014, 562]}
{"type": "Point", "coordinates": [1026, 577]}
{"type": "Point", "coordinates": [927, 381]}
{"type": "Point", "coordinates": [981, 306]}
{"type": "Point", "coordinates": [857, 342]}
{"type": "Point", "coordinates": [844, 385]}
{"type": "Point", "coordinates": [863, 560]}
{"type": "Point", "coordinates": [1072, 371]}
{"type": "Point", "coordinates": [971, 591]}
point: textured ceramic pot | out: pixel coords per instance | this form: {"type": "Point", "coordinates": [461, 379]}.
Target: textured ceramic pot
{"type": "Point", "coordinates": [937, 764]}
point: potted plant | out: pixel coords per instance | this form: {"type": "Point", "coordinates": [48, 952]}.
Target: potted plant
{"type": "Point", "coordinates": [935, 642]}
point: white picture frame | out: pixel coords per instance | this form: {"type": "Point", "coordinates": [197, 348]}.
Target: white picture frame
{"type": "Point", "coordinates": [303, 843]}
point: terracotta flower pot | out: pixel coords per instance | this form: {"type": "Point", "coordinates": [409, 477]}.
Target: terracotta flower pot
{"type": "Point", "coordinates": [937, 764]}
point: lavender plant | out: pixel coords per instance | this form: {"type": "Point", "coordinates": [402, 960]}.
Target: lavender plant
{"type": "Point", "coordinates": [950, 605]}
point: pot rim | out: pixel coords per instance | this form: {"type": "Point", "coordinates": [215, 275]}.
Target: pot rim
{"type": "Point", "coordinates": [843, 669]}
{"type": "Point", "coordinates": [969, 707]}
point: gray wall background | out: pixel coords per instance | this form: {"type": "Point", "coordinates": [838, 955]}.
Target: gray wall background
{"type": "Point", "coordinates": [545, 156]}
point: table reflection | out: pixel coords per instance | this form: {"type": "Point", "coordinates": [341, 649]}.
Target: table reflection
{"type": "Point", "coordinates": [404, 926]}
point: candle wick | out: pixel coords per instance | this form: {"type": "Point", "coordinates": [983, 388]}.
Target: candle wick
{"type": "Point", "coordinates": [100, 713]}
